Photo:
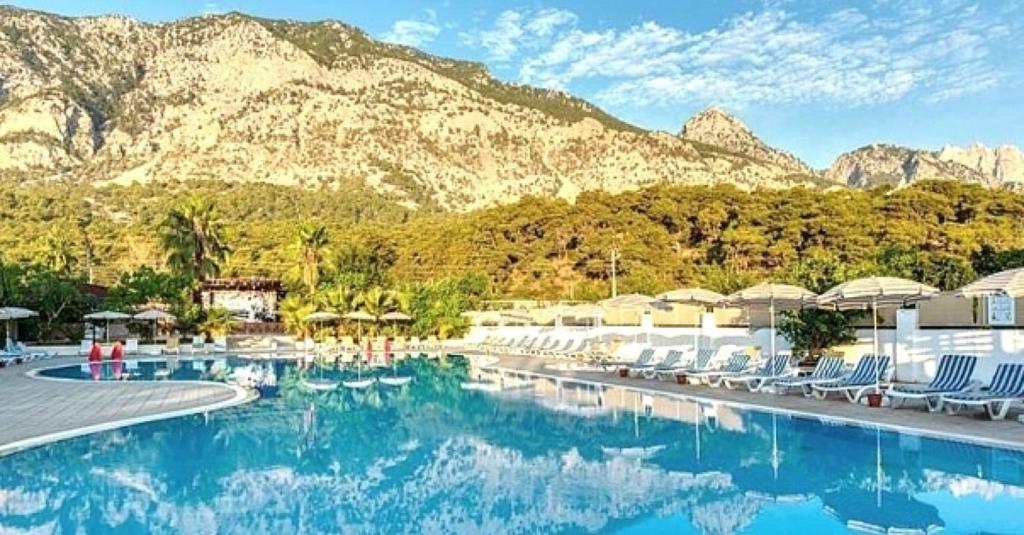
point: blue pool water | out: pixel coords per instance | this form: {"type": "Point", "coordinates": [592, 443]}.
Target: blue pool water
{"type": "Point", "coordinates": [447, 454]}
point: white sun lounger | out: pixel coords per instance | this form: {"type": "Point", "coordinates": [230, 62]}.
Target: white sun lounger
{"type": "Point", "coordinates": [1006, 388]}
{"type": "Point", "coordinates": [855, 385]}
{"type": "Point", "coordinates": [736, 365]}
{"type": "Point", "coordinates": [827, 370]}
{"type": "Point", "coordinates": [953, 376]}
{"type": "Point", "coordinates": [774, 368]}
{"type": "Point", "coordinates": [673, 359]}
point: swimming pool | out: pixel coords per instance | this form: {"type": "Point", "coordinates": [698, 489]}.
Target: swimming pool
{"type": "Point", "coordinates": [452, 453]}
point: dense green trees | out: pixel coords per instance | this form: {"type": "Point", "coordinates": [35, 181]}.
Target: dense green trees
{"type": "Point", "coordinates": [193, 237]}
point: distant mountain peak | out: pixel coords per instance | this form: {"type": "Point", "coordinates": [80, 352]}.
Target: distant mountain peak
{"type": "Point", "coordinates": [715, 126]}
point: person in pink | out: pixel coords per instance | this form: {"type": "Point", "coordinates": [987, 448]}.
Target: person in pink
{"type": "Point", "coordinates": [387, 351]}
{"type": "Point", "coordinates": [117, 355]}
{"type": "Point", "coordinates": [95, 360]}
{"type": "Point", "coordinates": [369, 350]}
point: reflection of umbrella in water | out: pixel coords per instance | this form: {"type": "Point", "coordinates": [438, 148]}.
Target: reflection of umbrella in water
{"type": "Point", "coordinates": [154, 315]}
{"type": "Point", "coordinates": [9, 314]}
{"type": "Point", "coordinates": [318, 318]}
{"type": "Point", "coordinates": [107, 316]}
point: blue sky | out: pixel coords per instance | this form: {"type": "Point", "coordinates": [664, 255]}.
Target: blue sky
{"type": "Point", "coordinates": [814, 77]}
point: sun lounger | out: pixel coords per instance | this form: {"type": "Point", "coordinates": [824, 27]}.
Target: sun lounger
{"type": "Point", "coordinates": [774, 368]}
{"type": "Point", "coordinates": [862, 379]}
{"type": "Point", "coordinates": [559, 350]}
{"type": "Point", "coordinates": [1005, 389]}
{"type": "Point", "coordinates": [673, 360]}
{"type": "Point", "coordinates": [548, 344]}
{"type": "Point", "coordinates": [953, 376]}
{"type": "Point", "coordinates": [700, 362]}
{"type": "Point", "coordinates": [84, 347]}
{"type": "Point", "coordinates": [827, 370]}
{"type": "Point", "coordinates": [131, 346]}
{"type": "Point", "coordinates": [736, 365]}
{"type": "Point", "coordinates": [643, 361]}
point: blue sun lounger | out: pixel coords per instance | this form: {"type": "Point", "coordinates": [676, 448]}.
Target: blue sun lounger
{"type": "Point", "coordinates": [774, 368]}
{"type": "Point", "coordinates": [953, 376]}
{"type": "Point", "coordinates": [827, 370]}
{"type": "Point", "coordinates": [862, 379]}
{"type": "Point", "coordinates": [736, 365]}
{"type": "Point", "coordinates": [1006, 388]}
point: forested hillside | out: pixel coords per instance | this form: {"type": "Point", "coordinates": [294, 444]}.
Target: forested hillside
{"type": "Point", "coordinates": [721, 237]}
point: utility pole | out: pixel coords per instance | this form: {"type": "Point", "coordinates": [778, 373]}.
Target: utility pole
{"type": "Point", "coordinates": [615, 283]}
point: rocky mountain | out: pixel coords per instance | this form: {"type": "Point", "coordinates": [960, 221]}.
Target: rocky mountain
{"type": "Point", "coordinates": [233, 97]}
{"type": "Point", "coordinates": [899, 166]}
{"type": "Point", "coordinates": [716, 127]}
{"type": "Point", "coordinates": [1004, 164]}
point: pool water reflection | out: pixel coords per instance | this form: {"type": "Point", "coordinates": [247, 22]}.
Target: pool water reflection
{"type": "Point", "coordinates": [450, 453]}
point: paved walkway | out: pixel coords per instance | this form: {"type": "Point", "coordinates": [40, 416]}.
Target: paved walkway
{"type": "Point", "coordinates": [1008, 433]}
{"type": "Point", "coordinates": [37, 410]}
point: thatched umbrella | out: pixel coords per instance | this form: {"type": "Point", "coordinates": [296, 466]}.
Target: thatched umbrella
{"type": "Point", "coordinates": [693, 296]}
{"type": "Point", "coordinates": [775, 297]}
{"type": "Point", "coordinates": [870, 293]}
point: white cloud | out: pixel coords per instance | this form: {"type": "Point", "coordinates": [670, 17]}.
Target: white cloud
{"type": "Point", "coordinates": [855, 56]}
{"type": "Point", "coordinates": [514, 31]}
{"type": "Point", "coordinates": [412, 32]}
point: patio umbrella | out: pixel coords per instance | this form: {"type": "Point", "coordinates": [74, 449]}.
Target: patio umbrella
{"type": "Point", "coordinates": [395, 316]}
{"type": "Point", "coordinates": [693, 296]}
{"type": "Point", "coordinates": [107, 316]}
{"type": "Point", "coordinates": [1009, 282]}
{"type": "Point", "coordinates": [321, 317]}
{"type": "Point", "coordinates": [9, 314]}
{"type": "Point", "coordinates": [775, 297]}
{"type": "Point", "coordinates": [154, 315]}
{"type": "Point", "coordinates": [633, 302]}
{"type": "Point", "coordinates": [872, 293]}
{"type": "Point", "coordinates": [360, 316]}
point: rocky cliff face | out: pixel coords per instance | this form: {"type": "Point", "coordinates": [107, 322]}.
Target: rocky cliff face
{"type": "Point", "coordinates": [897, 166]}
{"type": "Point", "coordinates": [1003, 164]}
{"type": "Point", "coordinates": [109, 99]}
{"type": "Point", "coordinates": [715, 127]}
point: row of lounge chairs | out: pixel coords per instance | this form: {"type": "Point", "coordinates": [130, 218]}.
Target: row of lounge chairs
{"type": "Point", "coordinates": [549, 346]}
{"type": "Point", "coordinates": [952, 388]}
{"type": "Point", "coordinates": [17, 353]}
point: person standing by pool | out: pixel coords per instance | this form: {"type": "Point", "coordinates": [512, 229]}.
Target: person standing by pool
{"type": "Point", "coordinates": [117, 355]}
{"type": "Point", "coordinates": [95, 360]}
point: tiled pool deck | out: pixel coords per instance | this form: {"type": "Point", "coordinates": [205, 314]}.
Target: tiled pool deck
{"type": "Point", "coordinates": [36, 410]}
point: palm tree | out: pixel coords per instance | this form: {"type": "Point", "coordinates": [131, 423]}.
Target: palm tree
{"type": "Point", "coordinates": [193, 238]}
{"type": "Point", "coordinates": [293, 312]}
{"type": "Point", "coordinates": [376, 301]}
{"type": "Point", "coordinates": [310, 248]}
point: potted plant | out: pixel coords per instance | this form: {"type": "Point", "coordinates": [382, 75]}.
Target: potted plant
{"type": "Point", "coordinates": [681, 378]}
{"type": "Point", "coordinates": [623, 372]}
{"type": "Point", "coordinates": [875, 399]}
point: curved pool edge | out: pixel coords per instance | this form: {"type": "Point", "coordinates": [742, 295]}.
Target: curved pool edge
{"type": "Point", "coordinates": [954, 436]}
{"type": "Point", "coordinates": [241, 397]}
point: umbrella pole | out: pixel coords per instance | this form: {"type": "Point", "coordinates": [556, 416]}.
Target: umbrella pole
{"type": "Point", "coordinates": [874, 324]}
{"type": "Point", "coordinates": [771, 307]}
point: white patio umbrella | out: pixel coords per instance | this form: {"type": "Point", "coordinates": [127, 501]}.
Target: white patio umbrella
{"type": "Point", "coordinates": [9, 314]}
{"type": "Point", "coordinates": [641, 302]}
{"type": "Point", "coordinates": [107, 316]}
{"type": "Point", "coordinates": [1009, 282]}
{"type": "Point", "coordinates": [776, 297]}
{"type": "Point", "coordinates": [870, 293]}
{"type": "Point", "coordinates": [693, 296]}
{"type": "Point", "coordinates": [154, 315]}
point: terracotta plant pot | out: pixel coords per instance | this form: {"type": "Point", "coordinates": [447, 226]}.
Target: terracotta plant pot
{"type": "Point", "coordinates": [875, 400]}
{"type": "Point", "coordinates": [681, 378]}
{"type": "Point", "coordinates": [623, 372]}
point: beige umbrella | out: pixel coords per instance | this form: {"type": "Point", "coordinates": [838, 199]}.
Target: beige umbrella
{"type": "Point", "coordinates": [775, 297]}
{"type": "Point", "coordinates": [9, 314]}
{"type": "Point", "coordinates": [633, 302]}
{"type": "Point", "coordinates": [360, 316]}
{"type": "Point", "coordinates": [107, 316]}
{"type": "Point", "coordinates": [154, 315]}
{"type": "Point", "coordinates": [870, 293]}
{"type": "Point", "coordinates": [1009, 282]}
{"type": "Point", "coordinates": [693, 296]}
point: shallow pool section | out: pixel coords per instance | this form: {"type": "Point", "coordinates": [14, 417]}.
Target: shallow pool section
{"type": "Point", "coordinates": [458, 451]}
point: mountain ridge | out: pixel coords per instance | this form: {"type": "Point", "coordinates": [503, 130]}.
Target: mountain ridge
{"type": "Point", "coordinates": [110, 99]}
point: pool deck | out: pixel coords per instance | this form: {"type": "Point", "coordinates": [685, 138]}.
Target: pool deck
{"type": "Point", "coordinates": [914, 418]}
{"type": "Point", "coordinates": [37, 410]}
